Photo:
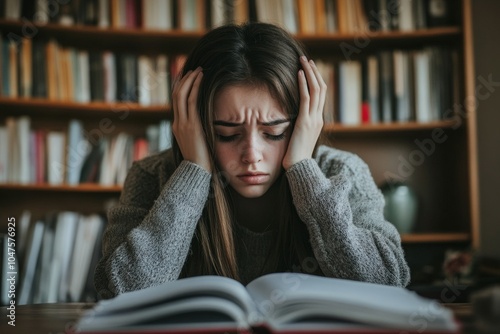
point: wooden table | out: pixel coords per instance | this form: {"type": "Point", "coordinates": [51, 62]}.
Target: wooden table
{"type": "Point", "coordinates": [42, 318]}
{"type": "Point", "coordinates": [59, 318]}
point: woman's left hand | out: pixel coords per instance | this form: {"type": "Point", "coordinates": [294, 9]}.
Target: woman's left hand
{"type": "Point", "coordinates": [312, 90]}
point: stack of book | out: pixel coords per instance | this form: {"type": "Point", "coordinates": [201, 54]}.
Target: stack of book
{"type": "Point", "coordinates": [36, 156]}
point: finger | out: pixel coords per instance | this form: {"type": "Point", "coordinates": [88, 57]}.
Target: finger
{"type": "Point", "coordinates": [192, 111]}
{"type": "Point", "coordinates": [312, 83]}
{"type": "Point", "coordinates": [183, 91]}
{"type": "Point", "coordinates": [304, 94]}
{"type": "Point", "coordinates": [322, 87]}
{"type": "Point", "coordinates": [176, 105]}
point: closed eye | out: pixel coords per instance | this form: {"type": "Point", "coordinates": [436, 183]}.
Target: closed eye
{"type": "Point", "coordinates": [226, 139]}
{"type": "Point", "coordinates": [276, 137]}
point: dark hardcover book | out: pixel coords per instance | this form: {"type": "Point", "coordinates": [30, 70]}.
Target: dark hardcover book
{"type": "Point", "coordinates": [39, 88]}
{"type": "Point", "coordinates": [365, 99]}
{"type": "Point", "coordinates": [92, 164]}
{"type": "Point", "coordinates": [89, 12]}
{"type": "Point", "coordinates": [126, 77]}
{"type": "Point", "coordinates": [386, 86]}
{"type": "Point", "coordinates": [96, 65]}
{"type": "Point", "coordinates": [381, 14]}
{"type": "Point", "coordinates": [371, 9]}
{"type": "Point", "coordinates": [129, 66]}
{"type": "Point", "coordinates": [120, 76]}
{"type": "Point", "coordinates": [28, 9]}
{"type": "Point", "coordinates": [336, 104]}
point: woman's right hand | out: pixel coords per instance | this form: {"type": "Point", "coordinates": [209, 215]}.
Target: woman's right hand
{"type": "Point", "coordinates": [186, 126]}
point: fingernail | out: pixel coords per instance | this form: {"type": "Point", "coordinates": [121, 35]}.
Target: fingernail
{"type": "Point", "coordinates": [312, 62]}
{"type": "Point", "coordinates": [303, 58]}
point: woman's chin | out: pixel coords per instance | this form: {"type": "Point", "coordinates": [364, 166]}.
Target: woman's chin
{"type": "Point", "coordinates": [251, 191]}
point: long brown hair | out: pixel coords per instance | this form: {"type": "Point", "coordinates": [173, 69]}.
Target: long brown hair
{"type": "Point", "coordinates": [257, 54]}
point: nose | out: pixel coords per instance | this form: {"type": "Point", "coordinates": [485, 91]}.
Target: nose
{"type": "Point", "coordinates": [252, 150]}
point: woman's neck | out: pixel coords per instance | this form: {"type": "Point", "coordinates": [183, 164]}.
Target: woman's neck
{"type": "Point", "coordinates": [257, 214]}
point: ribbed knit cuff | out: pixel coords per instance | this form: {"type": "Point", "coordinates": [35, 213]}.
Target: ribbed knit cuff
{"type": "Point", "coordinates": [191, 180]}
{"type": "Point", "coordinates": [306, 181]}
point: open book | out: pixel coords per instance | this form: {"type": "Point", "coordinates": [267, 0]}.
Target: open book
{"type": "Point", "coordinates": [280, 302]}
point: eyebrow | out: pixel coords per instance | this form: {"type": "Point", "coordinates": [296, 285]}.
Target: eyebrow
{"type": "Point", "coordinates": [272, 123]}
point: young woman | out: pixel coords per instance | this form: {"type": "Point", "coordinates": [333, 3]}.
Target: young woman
{"type": "Point", "coordinates": [246, 190]}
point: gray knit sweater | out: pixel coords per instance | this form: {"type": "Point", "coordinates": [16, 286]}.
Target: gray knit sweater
{"type": "Point", "coordinates": [149, 232]}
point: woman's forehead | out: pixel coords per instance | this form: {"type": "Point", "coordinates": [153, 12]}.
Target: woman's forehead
{"type": "Point", "coordinates": [241, 102]}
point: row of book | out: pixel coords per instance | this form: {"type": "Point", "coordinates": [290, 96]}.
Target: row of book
{"type": "Point", "coordinates": [77, 155]}
{"type": "Point", "coordinates": [44, 69]}
{"type": "Point", "coordinates": [392, 86]}
{"type": "Point", "coordinates": [355, 16]}
{"type": "Point", "coordinates": [298, 16]}
{"type": "Point", "coordinates": [57, 256]}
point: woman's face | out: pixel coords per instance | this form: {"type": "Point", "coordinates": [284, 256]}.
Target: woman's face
{"type": "Point", "coordinates": [252, 134]}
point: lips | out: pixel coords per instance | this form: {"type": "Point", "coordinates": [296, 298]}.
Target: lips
{"type": "Point", "coordinates": [253, 178]}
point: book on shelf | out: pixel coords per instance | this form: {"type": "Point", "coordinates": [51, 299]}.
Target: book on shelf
{"type": "Point", "coordinates": [33, 156]}
{"type": "Point", "coordinates": [350, 92]}
{"type": "Point", "coordinates": [392, 86]}
{"type": "Point", "coordinates": [224, 12]}
{"type": "Point", "coordinates": [60, 251]}
{"type": "Point", "coordinates": [191, 15]}
{"type": "Point", "coordinates": [279, 302]}
{"type": "Point", "coordinates": [30, 263]}
{"type": "Point", "coordinates": [45, 69]}
{"type": "Point", "coordinates": [300, 16]}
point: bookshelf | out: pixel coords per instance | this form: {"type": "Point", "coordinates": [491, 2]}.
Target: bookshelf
{"type": "Point", "coordinates": [445, 179]}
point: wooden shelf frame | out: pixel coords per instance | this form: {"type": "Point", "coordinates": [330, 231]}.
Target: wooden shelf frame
{"type": "Point", "coordinates": [37, 106]}
{"type": "Point", "coordinates": [182, 41]}
{"type": "Point", "coordinates": [387, 127]}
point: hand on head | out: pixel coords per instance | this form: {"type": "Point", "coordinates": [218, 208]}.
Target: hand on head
{"type": "Point", "coordinates": [186, 125]}
{"type": "Point", "coordinates": [312, 90]}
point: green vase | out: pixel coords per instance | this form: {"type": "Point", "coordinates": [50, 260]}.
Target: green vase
{"type": "Point", "coordinates": [401, 206]}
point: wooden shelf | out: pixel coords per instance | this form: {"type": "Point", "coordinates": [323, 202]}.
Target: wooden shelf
{"type": "Point", "coordinates": [370, 40]}
{"type": "Point", "coordinates": [414, 238]}
{"type": "Point", "coordinates": [387, 127]}
{"type": "Point", "coordinates": [36, 106]}
{"type": "Point", "coordinates": [80, 188]}
{"type": "Point", "coordinates": [385, 35]}
{"type": "Point", "coordinates": [89, 37]}
{"type": "Point", "coordinates": [182, 41]}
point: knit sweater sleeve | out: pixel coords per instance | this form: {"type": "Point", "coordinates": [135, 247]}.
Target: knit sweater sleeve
{"type": "Point", "coordinates": [343, 211]}
{"type": "Point", "coordinates": [149, 232]}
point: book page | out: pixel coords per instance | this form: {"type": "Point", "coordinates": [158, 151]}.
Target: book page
{"type": "Point", "coordinates": [195, 294]}
{"type": "Point", "coordinates": [285, 298]}
{"type": "Point", "coordinates": [195, 312]}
